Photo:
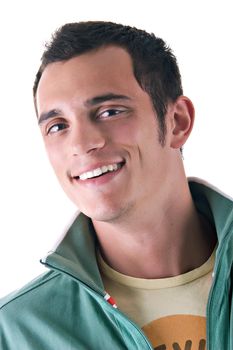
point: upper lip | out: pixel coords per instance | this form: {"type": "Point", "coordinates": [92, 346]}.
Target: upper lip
{"type": "Point", "coordinates": [75, 174]}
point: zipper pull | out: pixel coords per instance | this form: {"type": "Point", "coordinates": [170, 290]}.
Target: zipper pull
{"type": "Point", "coordinates": [110, 300]}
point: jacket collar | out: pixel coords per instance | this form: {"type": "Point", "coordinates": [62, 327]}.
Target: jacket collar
{"type": "Point", "coordinates": [214, 204]}
{"type": "Point", "coordinates": [76, 253]}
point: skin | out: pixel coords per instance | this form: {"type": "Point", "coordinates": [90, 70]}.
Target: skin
{"type": "Point", "coordinates": [92, 112]}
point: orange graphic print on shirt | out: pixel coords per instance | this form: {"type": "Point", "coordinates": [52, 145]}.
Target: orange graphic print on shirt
{"type": "Point", "coordinates": [177, 332]}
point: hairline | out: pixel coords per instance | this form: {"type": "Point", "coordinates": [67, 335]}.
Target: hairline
{"type": "Point", "coordinates": [43, 67]}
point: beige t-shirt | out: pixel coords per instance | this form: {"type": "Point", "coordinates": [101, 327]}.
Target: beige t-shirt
{"type": "Point", "coordinates": [170, 311]}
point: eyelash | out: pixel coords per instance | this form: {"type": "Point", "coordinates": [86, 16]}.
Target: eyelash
{"type": "Point", "coordinates": [116, 111]}
{"type": "Point", "coordinates": [64, 126]}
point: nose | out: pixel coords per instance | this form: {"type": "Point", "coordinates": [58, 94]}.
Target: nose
{"type": "Point", "coordinates": [86, 137]}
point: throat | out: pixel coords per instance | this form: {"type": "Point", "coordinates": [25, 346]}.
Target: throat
{"type": "Point", "coordinates": [164, 253]}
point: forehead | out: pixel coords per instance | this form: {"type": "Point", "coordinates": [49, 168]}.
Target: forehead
{"type": "Point", "coordinates": [72, 82]}
{"type": "Point", "coordinates": [109, 65]}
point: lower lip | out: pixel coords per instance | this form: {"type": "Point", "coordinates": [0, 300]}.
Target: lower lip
{"type": "Point", "coordinates": [100, 180]}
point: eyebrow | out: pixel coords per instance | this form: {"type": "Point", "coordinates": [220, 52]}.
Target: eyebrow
{"type": "Point", "coordinates": [88, 103]}
{"type": "Point", "coordinates": [103, 98]}
{"type": "Point", "coordinates": [47, 115]}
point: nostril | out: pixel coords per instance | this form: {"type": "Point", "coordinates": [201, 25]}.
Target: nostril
{"type": "Point", "coordinates": [87, 146]}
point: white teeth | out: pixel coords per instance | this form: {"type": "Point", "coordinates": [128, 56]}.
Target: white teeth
{"type": "Point", "coordinates": [83, 176]}
{"type": "Point", "coordinates": [104, 169]}
{"type": "Point", "coordinates": [99, 171]}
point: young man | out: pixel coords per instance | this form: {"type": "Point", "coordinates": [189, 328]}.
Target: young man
{"type": "Point", "coordinates": [114, 120]}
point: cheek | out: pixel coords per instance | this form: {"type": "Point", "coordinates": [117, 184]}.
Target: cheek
{"type": "Point", "coordinates": [126, 132]}
{"type": "Point", "coordinates": [56, 158]}
{"type": "Point", "coordinates": [141, 135]}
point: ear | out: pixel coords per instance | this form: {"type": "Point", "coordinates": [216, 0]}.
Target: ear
{"type": "Point", "coordinates": [182, 121]}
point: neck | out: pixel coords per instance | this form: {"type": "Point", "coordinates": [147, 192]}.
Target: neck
{"type": "Point", "coordinates": [170, 238]}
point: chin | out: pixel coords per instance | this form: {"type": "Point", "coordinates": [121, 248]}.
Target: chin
{"type": "Point", "coordinates": [107, 214]}
{"type": "Point", "coordinates": [103, 207]}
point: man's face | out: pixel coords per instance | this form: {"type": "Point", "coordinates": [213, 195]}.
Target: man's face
{"type": "Point", "coordinates": [101, 134]}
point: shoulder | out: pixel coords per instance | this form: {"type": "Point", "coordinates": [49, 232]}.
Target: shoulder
{"type": "Point", "coordinates": [27, 314]}
{"type": "Point", "coordinates": [34, 288]}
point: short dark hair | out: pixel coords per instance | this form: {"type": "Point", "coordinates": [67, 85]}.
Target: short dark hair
{"type": "Point", "coordinates": [155, 66]}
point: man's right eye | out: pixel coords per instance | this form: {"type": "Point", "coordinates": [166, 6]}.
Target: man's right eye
{"type": "Point", "coordinates": [56, 128]}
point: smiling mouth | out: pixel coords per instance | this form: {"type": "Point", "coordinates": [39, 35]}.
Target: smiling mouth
{"type": "Point", "coordinates": [100, 171]}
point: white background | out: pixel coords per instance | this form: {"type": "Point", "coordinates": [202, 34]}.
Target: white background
{"type": "Point", "coordinates": [34, 210]}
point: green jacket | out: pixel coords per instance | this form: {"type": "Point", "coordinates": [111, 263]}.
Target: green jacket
{"type": "Point", "coordinates": [66, 308]}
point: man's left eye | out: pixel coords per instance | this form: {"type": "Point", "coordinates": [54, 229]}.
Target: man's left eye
{"type": "Point", "coordinates": [109, 113]}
